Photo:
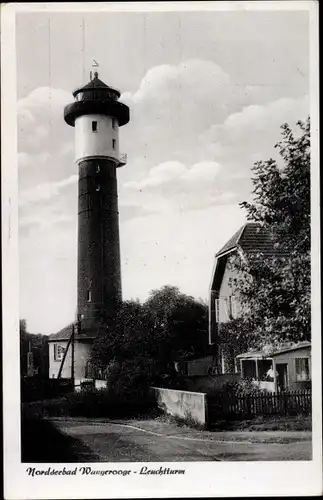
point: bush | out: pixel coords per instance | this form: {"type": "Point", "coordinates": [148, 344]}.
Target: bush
{"type": "Point", "coordinates": [242, 387]}
{"type": "Point", "coordinates": [91, 403]}
{"type": "Point", "coordinates": [222, 397]}
{"type": "Point", "coordinates": [131, 379]}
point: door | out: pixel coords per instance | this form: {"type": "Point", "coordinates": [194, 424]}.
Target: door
{"type": "Point", "coordinates": [282, 376]}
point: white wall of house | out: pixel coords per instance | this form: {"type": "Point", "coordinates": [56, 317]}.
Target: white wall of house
{"type": "Point", "coordinates": [226, 307]}
{"type": "Point", "coordinates": [227, 302]}
{"type": "Point", "coordinates": [296, 377]}
{"type": "Point", "coordinates": [82, 351]}
{"type": "Point", "coordinates": [296, 364]}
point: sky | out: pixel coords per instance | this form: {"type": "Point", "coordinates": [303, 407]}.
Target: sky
{"type": "Point", "coordinates": [207, 91]}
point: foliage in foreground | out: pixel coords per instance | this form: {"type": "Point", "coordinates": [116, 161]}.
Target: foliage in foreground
{"type": "Point", "coordinates": [275, 290]}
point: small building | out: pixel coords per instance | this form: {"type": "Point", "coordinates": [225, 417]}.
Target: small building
{"type": "Point", "coordinates": [195, 366]}
{"type": "Point", "coordinates": [288, 368]}
{"type": "Point", "coordinates": [58, 343]}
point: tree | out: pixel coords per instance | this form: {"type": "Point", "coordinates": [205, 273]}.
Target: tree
{"type": "Point", "coordinates": [143, 340]}
{"type": "Point", "coordinates": [275, 289]}
{"type": "Point", "coordinates": [181, 320]}
{"type": "Point", "coordinates": [38, 344]}
{"type": "Point", "coordinates": [282, 191]}
{"type": "Point", "coordinates": [126, 351]}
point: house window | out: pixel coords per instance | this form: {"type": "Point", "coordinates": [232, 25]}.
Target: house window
{"type": "Point", "coordinates": [302, 367]}
{"type": "Point", "coordinates": [113, 143]}
{"type": "Point", "coordinates": [89, 296]}
{"type": "Point", "coordinates": [58, 352]}
{"type": "Point", "coordinates": [114, 123]}
{"type": "Point", "coordinates": [94, 126]}
{"type": "Point", "coordinates": [217, 310]}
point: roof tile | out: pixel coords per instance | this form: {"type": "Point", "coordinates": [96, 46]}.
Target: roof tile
{"type": "Point", "coordinates": [253, 237]}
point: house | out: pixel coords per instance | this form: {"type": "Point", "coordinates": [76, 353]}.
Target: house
{"type": "Point", "coordinates": [286, 368]}
{"type": "Point", "coordinates": [60, 342]}
{"type": "Point", "coordinates": [251, 239]}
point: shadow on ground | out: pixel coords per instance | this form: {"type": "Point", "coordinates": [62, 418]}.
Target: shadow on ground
{"type": "Point", "coordinates": [42, 442]}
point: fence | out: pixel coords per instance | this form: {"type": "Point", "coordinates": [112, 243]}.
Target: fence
{"type": "Point", "coordinates": [37, 388]}
{"type": "Point", "coordinates": [291, 403]}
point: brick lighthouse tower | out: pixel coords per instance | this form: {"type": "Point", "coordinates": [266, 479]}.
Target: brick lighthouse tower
{"type": "Point", "coordinates": [96, 114]}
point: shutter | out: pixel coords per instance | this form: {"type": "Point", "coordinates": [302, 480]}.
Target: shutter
{"type": "Point", "coordinates": [226, 310]}
{"type": "Point", "coordinates": [217, 310]}
{"type": "Point", "coordinates": [233, 307]}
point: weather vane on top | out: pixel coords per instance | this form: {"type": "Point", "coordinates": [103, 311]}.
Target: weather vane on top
{"type": "Point", "coordinates": [95, 64]}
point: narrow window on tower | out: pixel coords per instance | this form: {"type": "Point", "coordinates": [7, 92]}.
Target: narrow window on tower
{"type": "Point", "coordinates": [114, 123]}
{"type": "Point", "coordinates": [113, 143]}
{"type": "Point", "coordinates": [89, 296]}
{"type": "Point", "coordinates": [94, 126]}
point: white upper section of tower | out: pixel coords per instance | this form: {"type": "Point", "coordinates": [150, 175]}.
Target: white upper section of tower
{"type": "Point", "coordinates": [96, 136]}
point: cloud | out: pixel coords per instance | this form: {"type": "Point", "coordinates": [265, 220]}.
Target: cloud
{"type": "Point", "coordinates": [46, 191]}
{"type": "Point", "coordinates": [40, 116]}
{"type": "Point", "coordinates": [191, 139]}
{"type": "Point", "coordinates": [45, 141]}
{"type": "Point", "coordinates": [172, 106]}
{"type": "Point", "coordinates": [184, 185]}
{"type": "Point", "coordinates": [250, 134]}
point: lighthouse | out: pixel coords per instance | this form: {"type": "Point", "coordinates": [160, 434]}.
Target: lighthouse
{"type": "Point", "coordinates": [96, 115]}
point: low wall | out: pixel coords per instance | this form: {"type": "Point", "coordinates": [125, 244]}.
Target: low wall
{"type": "Point", "coordinates": [206, 383]}
{"type": "Point", "coordinates": [264, 384]}
{"type": "Point", "coordinates": [100, 384]}
{"type": "Point", "coordinates": [187, 405]}
{"type": "Point", "coordinates": [96, 384]}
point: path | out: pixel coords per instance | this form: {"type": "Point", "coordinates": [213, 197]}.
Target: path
{"type": "Point", "coordinates": [150, 441]}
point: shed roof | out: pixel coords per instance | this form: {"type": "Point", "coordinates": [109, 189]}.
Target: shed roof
{"type": "Point", "coordinates": [270, 354]}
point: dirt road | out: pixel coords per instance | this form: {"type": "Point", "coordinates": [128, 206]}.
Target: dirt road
{"type": "Point", "coordinates": [153, 441]}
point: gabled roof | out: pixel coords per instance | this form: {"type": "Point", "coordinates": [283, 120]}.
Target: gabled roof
{"type": "Point", "coordinates": [251, 238]}
{"type": "Point", "coordinates": [66, 333]}
{"type": "Point", "coordinates": [231, 243]}
{"type": "Point", "coordinates": [63, 334]}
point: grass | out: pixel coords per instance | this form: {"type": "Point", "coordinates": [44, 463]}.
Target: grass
{"type": "Point", "coordinates": [263, 423]}
{"type": "Point", "coordinates": [188, 421]}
